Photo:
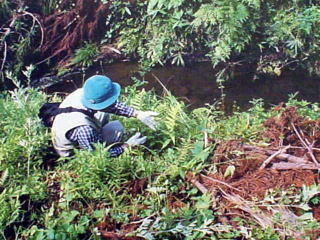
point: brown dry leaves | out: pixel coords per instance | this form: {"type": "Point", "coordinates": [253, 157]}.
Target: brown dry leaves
{"type": "Point", "coordinates": [290, 160]}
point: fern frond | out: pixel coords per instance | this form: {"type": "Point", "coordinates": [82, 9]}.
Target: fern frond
{"type": "Point", "coordinates": [184, 150]}
{"type": "Point", "coordinates": [170, 120]}
{"type": "Point", "coordinates": [137, 101]}
{"type": "Point", "coordinates": [85, 55]}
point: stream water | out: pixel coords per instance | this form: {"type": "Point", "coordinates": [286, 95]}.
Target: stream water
{"type": "Point", "coordinates": [196, 84]}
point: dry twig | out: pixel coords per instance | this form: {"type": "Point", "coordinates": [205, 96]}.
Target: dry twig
{"type": "Point", "coordinates": [198, 185]}
{"type": "Point", "coordinates": [282, 156]}
{"type": "Point", "coordinates": [261, 218]}
{"type": "Point", "coordinates": [39, 23]}
{"type": "Point", "coordinates": [305, 144]}
{"type": "Point", "coordinates": [269, 159]}
{"type": "Point", "coordinates": [218, 181]}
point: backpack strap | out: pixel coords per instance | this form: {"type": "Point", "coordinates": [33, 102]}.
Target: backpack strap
{"type": "Point", "coordinates": [49, 111]}
{"type": "Point", "coordinates": [72, 109]}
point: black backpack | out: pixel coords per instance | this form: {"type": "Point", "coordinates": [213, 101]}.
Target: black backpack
{"type": "Point", "coordinates": [48, 111]}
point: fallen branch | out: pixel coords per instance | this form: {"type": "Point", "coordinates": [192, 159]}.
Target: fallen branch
{"type": "Point", "coordinates": [313, 148]}
{"type": "Point", "coordinates": [162, 85]}
{"type": "Point", "coordinates": [205, 136]}
{"type": "Point", "coordinates": [287, 166]}
{"type": "Point", "coordinates": [218, 181]}
{"type": "Point", "coordinates": [198, 185]}
{"type": "Point", "coordinates": [111, 235]}
{"type": "Point", "coordinates": [261, 218]}
{"type": "Point", "coordinates": [269, 159]}
{"type": "Point", "coordinates": [291, 158]}
{"type": "Point", "coordinates": [281, 156]}
{"type": "Point", "coordinates": [113, 49]}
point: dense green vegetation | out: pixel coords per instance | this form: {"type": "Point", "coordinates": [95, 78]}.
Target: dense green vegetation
{"type": "Point", "coordinates": [271, 35]}
{"type": "Point", "coordinates": [159, 31]}
{"type": "Point", "coordinates": [67, 198]}
{"type": "Point", "coordinates": [43, 197]}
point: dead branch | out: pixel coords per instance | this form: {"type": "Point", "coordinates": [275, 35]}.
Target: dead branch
{"type": "Point", "coordinates": [162, 85]}
{"type": "Point", "coordinates": [34, 19]}
{"type": "Point", "coordinates": [269, 159]}
{"type": "Point", "coordinates": [198, 185]}
{"type": "Point", "coordinates": [287, 166]}
{"type": "Point", "coordinates": [291, 158]}
{"type": "Point", "coordinates": [205, 136]}
{"type": "Point", "coordinates": [305, 144]}
{"type": "Point", "coordinates": [4, 55]}
{"type": "Point", "coordinates": [281, 156]}
{"type": "Point", "coordinates": [65, 32]}
{"type": "Point", "coordinates": [6, 33]}
{"type": "Point", "coordinates": [262, 219]}
{"type": "Point", "coordinates": [113, 49]}
{"type": "Point", "coordinates": [111, 235]}
{"type": "Point", "coordinates": [313, 148]}
{"type": "Point", "coordinates": [218, 181]}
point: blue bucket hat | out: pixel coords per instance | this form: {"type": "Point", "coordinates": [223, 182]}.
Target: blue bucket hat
{"type": "Point", "coordinates": [99, 92]}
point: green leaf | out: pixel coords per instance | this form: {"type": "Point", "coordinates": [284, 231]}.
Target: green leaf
{"type": "Point", "coordinates": [204, 202]}
{"type": "Point", "coordinates": [128, 10]}
{"type": "Point", "coordinates": [152, 4]}
{"type": "Point", "coordinates": [229, 171]}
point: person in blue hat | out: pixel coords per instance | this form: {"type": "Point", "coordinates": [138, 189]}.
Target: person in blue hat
{"type": "Point", "coordinates": [81, 129]}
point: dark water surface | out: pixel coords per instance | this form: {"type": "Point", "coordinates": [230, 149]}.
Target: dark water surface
{"type": "Point", "coordinates": [196, 84]}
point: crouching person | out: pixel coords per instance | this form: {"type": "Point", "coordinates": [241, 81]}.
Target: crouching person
{"type": "Point", "coordinates": [89, 124]}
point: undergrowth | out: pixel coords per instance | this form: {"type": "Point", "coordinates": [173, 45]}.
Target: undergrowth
{"type": "Point", "coordinates": [67, 199]}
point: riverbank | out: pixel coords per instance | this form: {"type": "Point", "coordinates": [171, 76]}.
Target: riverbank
{"type": "Point", "coordinates": [196, 84]}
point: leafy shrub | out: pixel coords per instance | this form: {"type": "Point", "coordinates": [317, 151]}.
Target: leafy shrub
{"type": "Point", "coordinates": [23, 137]}
{"type": "Point", "coordinates": [85, 56]}
{"type": "Point", "coordinates": [272, 34]}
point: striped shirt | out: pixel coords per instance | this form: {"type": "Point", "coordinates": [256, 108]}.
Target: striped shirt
{"type": "Point", "coordinates": [85, 136]}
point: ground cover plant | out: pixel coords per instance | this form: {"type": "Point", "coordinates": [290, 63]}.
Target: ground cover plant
{"type": "Point", "coordinates": [196, 178]}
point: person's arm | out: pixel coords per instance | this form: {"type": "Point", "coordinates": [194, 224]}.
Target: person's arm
{"type": "Point", "coordinates": [119, 108]}
{"type": "Point", "coordinates": [146, 117]}
{"type": "Point", "coordinates": [86, 135]}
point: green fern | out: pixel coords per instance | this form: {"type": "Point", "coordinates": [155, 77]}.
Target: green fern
{"type": "Point", "coordinates": [171, 120]}
{"type": "Point", "coordinates": [85, 56]}
{"type": "Point", "coordinates": [184, 150]}
{"type": "Point", "coordinates": [137, 101]}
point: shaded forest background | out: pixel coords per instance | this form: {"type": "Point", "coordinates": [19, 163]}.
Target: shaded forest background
{"type": "Point", "coordinates": [57, 35]}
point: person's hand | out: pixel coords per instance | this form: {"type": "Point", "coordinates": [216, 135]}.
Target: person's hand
{"type": "Point", "coordinates": [136, 139]}
{"type": "Point", "coordinates": [147, 118]}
